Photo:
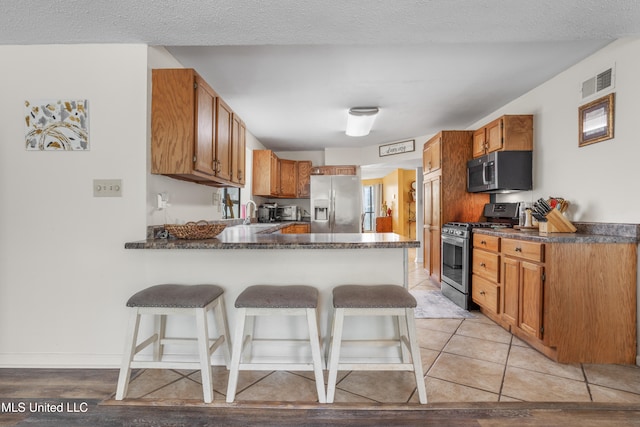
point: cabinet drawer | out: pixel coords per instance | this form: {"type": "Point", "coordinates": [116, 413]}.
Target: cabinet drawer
{"type": "Point", "coordinates": [489, 243]}
{"type": "Point", "coordinates": [523, 249]}
{"type": "Point", "coordinates": [486, 264]}
{"type": "Point", "coordinates": [485, 293]}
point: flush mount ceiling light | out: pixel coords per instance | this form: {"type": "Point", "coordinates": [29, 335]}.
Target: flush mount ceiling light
{"type": "Point", "coordinates": [360, 120]}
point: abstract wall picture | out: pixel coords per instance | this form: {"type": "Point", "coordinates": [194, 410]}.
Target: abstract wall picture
{"type": "Point", "coordinates": [61, 125]}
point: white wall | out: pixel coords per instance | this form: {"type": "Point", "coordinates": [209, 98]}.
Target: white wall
{"type": "Point", "coordinates": [597, 179]}
{"type": "Point", "coordinates": [64, 272]}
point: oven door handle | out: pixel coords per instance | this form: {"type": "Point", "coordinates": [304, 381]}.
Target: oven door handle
{"type": "Point", "coordinates": [454, 240]}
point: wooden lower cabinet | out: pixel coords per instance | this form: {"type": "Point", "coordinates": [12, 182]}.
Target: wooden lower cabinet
{"type": "Point", "coordinates": [384, 224]}
{"type": "Point", "coordinates": [486, 294]}
{"type": "Point", "coordinates": [574, 302]}
{"type": "Point", "coordinates": [296, 229]}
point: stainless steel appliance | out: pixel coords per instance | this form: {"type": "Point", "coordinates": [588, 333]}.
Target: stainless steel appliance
{"type": "Point", "coordinates": [500, 172]}
{"type": "Point", "coordinates": [289, 213]}
{"type": "Point", "coordinates": [268, 212]}
{"type": "Point", "coordinates": [336, 204]}
{"type": "Point", "coordinates": [457, 250]}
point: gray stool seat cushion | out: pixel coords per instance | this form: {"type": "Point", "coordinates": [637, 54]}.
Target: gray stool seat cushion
{"type": "Point", "coordinates": [272, 296]}
{"type": "Point", "coordinates": [372, 296]}
{"type": "Point", "coordinates": [177, 296]}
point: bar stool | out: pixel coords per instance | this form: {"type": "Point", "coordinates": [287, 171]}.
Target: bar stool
{"type": "Point", "coordinates": [376, 300]}
{"type": "Point", "coordinates": [163, 300]}
{"type": "Point", "coordinates": [260, 300]}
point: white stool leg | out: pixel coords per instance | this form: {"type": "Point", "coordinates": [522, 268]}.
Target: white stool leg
{"type": "Point", "coordinates": [205, 355]}
{"type": "Point", "coordinates": [402, 332]}
{"type": "Point", "coordinates": [221, 321]}
{"type": "Point", "coordinates": [158, 347]}
{"type": "Point", "coordinates": [129, 351]}
{"type": "Point", "coordinates": [334, 353]}
{"type": "Point", "coordinates": [236, 354]}
{"type": "Point", "coordinates": [314, 338]}
{"type": "Point", "coordinates": [415, 355]}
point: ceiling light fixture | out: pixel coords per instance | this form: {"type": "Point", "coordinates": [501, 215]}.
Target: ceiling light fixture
{"type": "Point", "coordinates": [360, 120]}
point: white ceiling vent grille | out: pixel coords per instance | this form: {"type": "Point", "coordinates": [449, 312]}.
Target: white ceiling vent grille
{"type": "Point", "coordinates": [596, 85]}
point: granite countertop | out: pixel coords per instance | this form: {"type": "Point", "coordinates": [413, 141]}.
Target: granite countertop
{"type": "Point", "coordinates": [587, 233]}
{"type": "Point", "coordinates": [267, 236]}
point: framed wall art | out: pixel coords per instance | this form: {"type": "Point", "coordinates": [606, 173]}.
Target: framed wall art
{"type": "Point", "coordinates": [57, 125]}
{"type": "Point", "coordinates": [595, 120]}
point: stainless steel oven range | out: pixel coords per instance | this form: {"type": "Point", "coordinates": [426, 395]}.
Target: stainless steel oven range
{"type": "Point", "coordinates": [457, 250]}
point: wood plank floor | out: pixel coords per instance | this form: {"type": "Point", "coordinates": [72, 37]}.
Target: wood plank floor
{"type": "Point", "coordinates": [82, 397]}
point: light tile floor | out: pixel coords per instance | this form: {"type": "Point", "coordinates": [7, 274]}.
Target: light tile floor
{"type": "Point", "coordinates": [465, 360]}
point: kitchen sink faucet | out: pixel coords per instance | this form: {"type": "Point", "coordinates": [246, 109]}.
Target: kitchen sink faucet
{"type": "Point", "coordinates": [247, 219]}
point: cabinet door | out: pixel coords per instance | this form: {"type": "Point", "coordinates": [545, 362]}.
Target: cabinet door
{"type": "Point", "coordinates": [436, 251]}
{"type": "Point", "coordinates": [204, 142]}
{"type": "Point", "coordinates": [510, 289]}
{"type": "Point", "coordinates": [531, 298]}
{"type": "Point", "coordinates": [426, 250]}
{"type": "Point", "coordinates": [223, 141]}
{"type": "Point", "coordinates": [436, 197]}
{"type": "Point", "coordinates": [238, 143]}
{"type": "Point", "coordinates": [428, 209]}
{"type": "Point", "coordinates": [288, 176]}
{"type": "Point", "coordinates": [431, 156]}
{"type": "Point", "coordinates": [274, 175]}
{"type": "Point", "coordinates": [479, 141]}
{"type": "Point", "coordinates": [304, 179]}
{"type": "Point", "coordinates": [494, 136]}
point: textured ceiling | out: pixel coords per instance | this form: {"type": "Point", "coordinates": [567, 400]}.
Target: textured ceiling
{"type": "Point", "coordinates": [292, 68]}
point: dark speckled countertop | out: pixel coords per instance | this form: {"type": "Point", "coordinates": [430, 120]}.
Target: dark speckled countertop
{"type": "Point", "coordinates": [267, 236]}
{"type": "Point", "coordinates": [588, 232]}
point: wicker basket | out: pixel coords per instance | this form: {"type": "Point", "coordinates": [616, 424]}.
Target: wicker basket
{"type": "Point", "coordinates": [195, 230]}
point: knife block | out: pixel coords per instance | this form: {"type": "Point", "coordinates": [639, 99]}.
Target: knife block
{"type": "Point", "coordinates": [556, 223]}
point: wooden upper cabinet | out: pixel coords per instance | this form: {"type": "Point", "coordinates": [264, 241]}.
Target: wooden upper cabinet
{"type": "Point", "coordinates": [431, 155]}
{"type": "Point", "coordinates": [304, 179]}
{"type": "Point", "coordinates": [238, 146]}
{"type": "Point", "coordinates": [190, 129]}
{"type": "Point", "coordinates": [288, 178]}
{"type": "Point", "coordinates": [272, 176]}
{"type": "Point", "coordinates": [508, 133]}
{"type": "Point", "coordinates": [266, 179]}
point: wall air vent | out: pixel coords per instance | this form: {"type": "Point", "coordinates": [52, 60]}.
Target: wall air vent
{"type": "Point", "coordinates": [596, 85]}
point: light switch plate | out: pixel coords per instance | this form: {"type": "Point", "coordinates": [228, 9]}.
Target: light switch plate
{"type": "Point", "coordinates": [107, 188]}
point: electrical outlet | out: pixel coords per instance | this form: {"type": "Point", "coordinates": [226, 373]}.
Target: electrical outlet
{"type": "Point", "coordinates": [107, 188]}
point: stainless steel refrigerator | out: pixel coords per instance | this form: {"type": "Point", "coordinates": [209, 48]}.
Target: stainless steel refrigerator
{"type": "Point", "coordinates": [336, 204]}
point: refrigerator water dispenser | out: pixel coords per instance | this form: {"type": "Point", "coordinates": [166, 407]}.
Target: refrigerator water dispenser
{"type": "Point", "coordinates": [321, 210]}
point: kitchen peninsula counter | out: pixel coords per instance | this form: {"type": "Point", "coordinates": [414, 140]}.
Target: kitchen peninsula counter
{"type": "Point", "coordinates": [259, 254]}
{"type": "Point", "coordinates": [238, 237]}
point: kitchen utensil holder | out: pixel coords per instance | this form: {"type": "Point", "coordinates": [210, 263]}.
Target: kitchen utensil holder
{"type": "Point", "coordinates": [556, 223]}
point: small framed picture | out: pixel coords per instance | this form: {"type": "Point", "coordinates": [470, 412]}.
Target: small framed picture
{"type": "Point", "coordinates": [595, 120]}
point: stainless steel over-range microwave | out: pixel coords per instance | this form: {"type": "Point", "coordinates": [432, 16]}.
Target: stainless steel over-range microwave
{"type": "Point", "coordinates": [500, 172]}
